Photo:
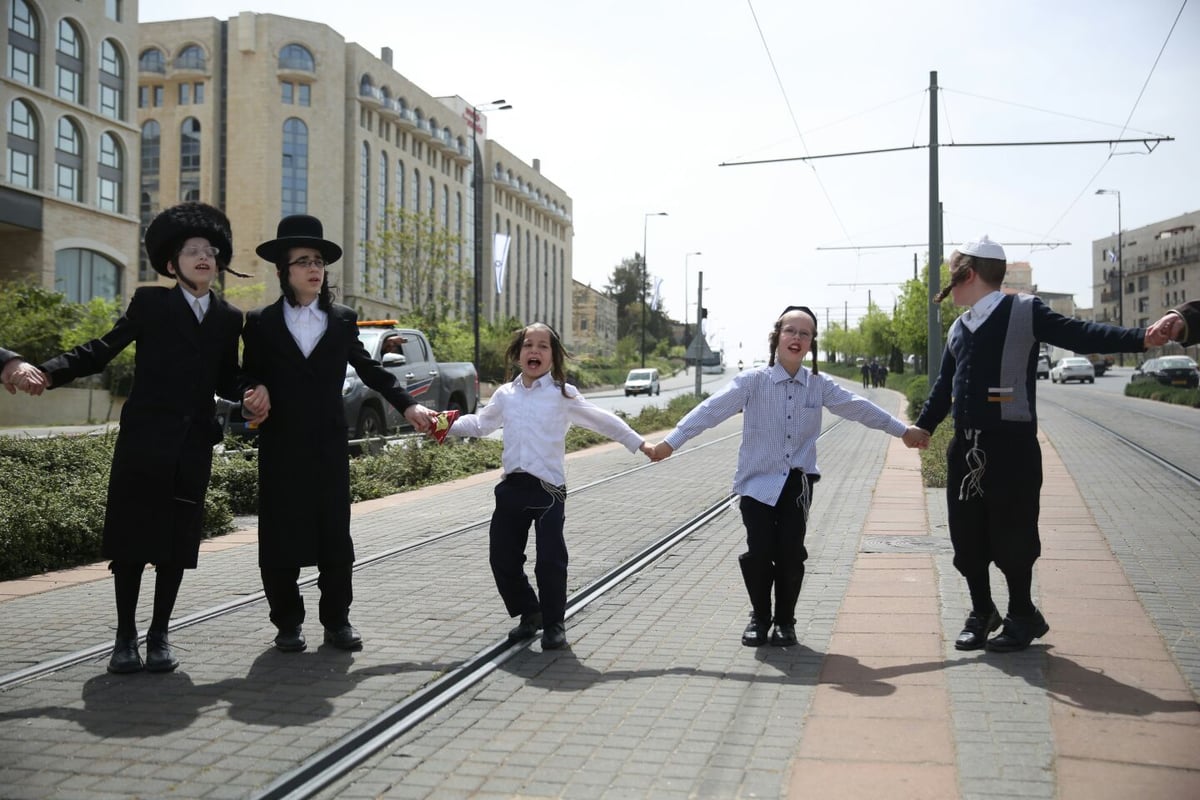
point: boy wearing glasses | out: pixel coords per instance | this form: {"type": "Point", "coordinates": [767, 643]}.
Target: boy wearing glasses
{"type": "Point", "coordinates": [297, 349]}
{"type": "Point", "coordinates": [777, 463]}
{"type": "Point", "coordinates": [187, 349]}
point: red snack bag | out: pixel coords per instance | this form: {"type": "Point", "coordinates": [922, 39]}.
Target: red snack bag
{"type": "Point", "coordinates": [444, 420]}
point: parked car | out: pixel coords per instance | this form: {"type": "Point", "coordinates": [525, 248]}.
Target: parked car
{"type": "Point", "coordinates": [1043, 367]}
{"type": "Point", "coordinates": [406, 354]}
{"type": "Point", "coordinates": [1072, 368]}
{"type": "Point", "coordinates": [1169, 371]}
{"type": "Point", "coordinates": [642, 381]}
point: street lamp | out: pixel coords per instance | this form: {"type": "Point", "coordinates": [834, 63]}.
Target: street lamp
{"type": "Point", "coordinates": [646, 275]}
{"type": "Point", "coordinates": [1120, 272]}
{"type": "Point", "coordinates": [686, 339]}
{"type": "Point", "coordinates": [477, 195]}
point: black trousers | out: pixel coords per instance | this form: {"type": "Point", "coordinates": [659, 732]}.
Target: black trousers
{"type": "Point", "coordinates": [287, 606]}
{"type": "Point", "coordinates": [521, 500]}
{"type": "Point", "coordinates": [775, 552]}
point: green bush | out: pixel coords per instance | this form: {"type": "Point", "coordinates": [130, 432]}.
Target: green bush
{"type": "Point", "coordinates": [1152, 390]}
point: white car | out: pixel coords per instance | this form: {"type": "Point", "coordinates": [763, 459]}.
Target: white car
{"type": "Point", "coordinates": [1073, 369]}
{"type": "Point", "coordinates": [642, 381]}
{"type": "Point", "coordinates": [1043, 367]}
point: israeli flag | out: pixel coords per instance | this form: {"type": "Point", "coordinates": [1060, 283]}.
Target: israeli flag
{"type": "Point", "coordinates": [1111, 255]}
{"type": "Point", "coordinates": [657, 295]}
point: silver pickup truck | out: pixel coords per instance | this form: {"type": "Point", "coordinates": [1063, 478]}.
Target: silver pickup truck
{"type": "Point", "coordinates": [405, 353]}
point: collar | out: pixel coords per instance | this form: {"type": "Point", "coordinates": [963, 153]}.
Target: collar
{"type": "Point", "coordinates": [545, 380]}
{"type": "Point", "coordinates": [296, 312]}
{"type": "Point", "coordinates": [779, 374]}
{"type": "Point", "coordinates": [205, 299]}
{"type": "Point", "coordinates": [977, 314]}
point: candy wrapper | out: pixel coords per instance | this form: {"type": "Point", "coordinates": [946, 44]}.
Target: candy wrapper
{"type": "Point", "coordinates": [440, 428]}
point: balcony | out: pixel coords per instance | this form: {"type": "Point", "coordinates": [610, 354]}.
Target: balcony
{"type": "Point", "coordinates": [370, 95]}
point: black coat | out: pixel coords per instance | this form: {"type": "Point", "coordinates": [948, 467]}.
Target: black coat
{"type": "Point", "coordinates": [7, 355]}
{"type": "Point", "coordinates": [163, 457]}
{"type": "Point", "coordinates": [303, 455]}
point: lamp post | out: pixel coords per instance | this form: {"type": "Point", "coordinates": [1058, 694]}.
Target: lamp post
{"type": "Point", "coordinates": [646, 275]}
{"type": "Point", "coordinates": [1120, 272]}
{"type": "Point", "coordinates": [686, 339]}
{"type": "Point", "coordinates": [477, 202]}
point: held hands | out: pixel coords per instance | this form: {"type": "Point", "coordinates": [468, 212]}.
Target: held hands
{"type": "Point", "coordinates": [916, 437]}
{"type": "Point", "coordinates": [20, 374]}
{"type": "Point", "coordinates": [421, 418]}
{"type": "Point", "coordinates": [1168, 329]}
{"type": "Point", "coordinates": [256, 404]}
{"type": "Point", "coordinates": [659, 451]}
{"type": "Point", "coordinates": [647, 450]}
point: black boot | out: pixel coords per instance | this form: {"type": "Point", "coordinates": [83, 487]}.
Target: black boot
{"type": "Point", "coordinates": [757, 576]}
{"type": "Point", "coordinates": [158, 653]}
{"type": "Point", "coordinates": [125, 656]}
{"type": "Point", "coordinates": [787, 592]}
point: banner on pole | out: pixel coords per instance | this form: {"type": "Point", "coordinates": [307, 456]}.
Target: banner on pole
{"type": "Point", "coordinates": [657, 295]}
{"type": "Point", "coordinates": [500, 258]}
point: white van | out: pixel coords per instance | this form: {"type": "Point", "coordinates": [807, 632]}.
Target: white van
{"type": "Point", "coordinates": [642, 381]}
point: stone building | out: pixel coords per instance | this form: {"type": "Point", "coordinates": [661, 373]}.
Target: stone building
{"type": "Point", "coordinates": [1158, 269]}
{"type": "Point", "coordinates": [594, 320]}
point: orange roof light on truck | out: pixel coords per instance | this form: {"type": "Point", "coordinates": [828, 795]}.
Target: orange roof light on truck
{"type": "Point", "coordinates": [378, 323]}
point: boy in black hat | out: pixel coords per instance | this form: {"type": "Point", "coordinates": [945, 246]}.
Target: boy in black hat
{"type": "Point", "coordinates": [187, 339]}
{"type": "Point", "coordinates": [297, 349]}
{"type": "Point", "coordinates": [994, 463]}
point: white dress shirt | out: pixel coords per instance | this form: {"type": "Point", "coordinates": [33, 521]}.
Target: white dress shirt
{"type": "Point", "coordinates": [535, 421]}
{"type": "Point", "coordinates": [780, 425]}
{"type": "Point", "coordinates": [306, 324]}
{"type": "Point", "coordinates": [199, 304]}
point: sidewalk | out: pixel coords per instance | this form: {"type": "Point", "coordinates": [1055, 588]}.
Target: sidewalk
{"type": "Point", "coordinates": [655, 697]}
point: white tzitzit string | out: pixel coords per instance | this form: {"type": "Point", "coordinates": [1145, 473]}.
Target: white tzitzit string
{"type": "Point", "coordinates": [972, 482]}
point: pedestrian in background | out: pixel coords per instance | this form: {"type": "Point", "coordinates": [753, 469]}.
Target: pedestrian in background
{"type": "Point", "coordinates": [187, 349]}
{"type": "Point", "coordinates": [994, 462]}
{"type": "Point", "coordinates": [536, 409]}
{"type": "Point", "coordinates": [296, 352]}
{"type": "Point", "coordinates": [777, 463]}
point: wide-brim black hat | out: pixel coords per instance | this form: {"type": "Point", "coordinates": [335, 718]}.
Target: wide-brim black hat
{"type": "Point", "coordinates": [179, 223]}
{"type": "Point", "coordinates": [298, 230]}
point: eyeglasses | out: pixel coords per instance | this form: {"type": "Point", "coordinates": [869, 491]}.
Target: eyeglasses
{"type": "Point", "coordinates": [195, 252]}
{"type": "Point", "coordinates": [307, 262]}
{"type": "Point", "coordinates": [793, 333]}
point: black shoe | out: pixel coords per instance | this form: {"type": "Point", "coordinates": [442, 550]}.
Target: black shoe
{"type": "Point", "coordinates": [784, 635]}
{"type": "Point", "coordinates": [555, 636]}
{"type": "Point", "coordinates": [1019, 633]}
{"type": "Point", "coordinates": [976, 629]}
{"type": "Point", "coordinates": [125, 656]}
{"type": "Point", "coordinates": [530, 624]}
{"type": "Point", "coordinates": [290, 640]}
{"type": "Point", "coordinates": [343, 637]}
{"type": "Point", "coordinates": [158, 653]}
{"type": "Point", "coordinates": [756, 632]}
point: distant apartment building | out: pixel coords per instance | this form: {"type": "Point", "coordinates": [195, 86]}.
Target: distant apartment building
{"type": "Point", "coordinates": [1158, 268]}
{"type": "Point", "coordinates": [594, 315]}
{"type": "Point", "coordinates": [68, 181]}
{"type": "Point", "coordinates": [1018, 276]}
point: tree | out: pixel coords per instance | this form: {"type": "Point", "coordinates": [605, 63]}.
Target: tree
{"type": "Point", "coordinates": [97, 317]}
{"type": "Point", "coordinates": [33, 319]}
{"type": "Point", "coordinates": [422, 260]}
{"type": "Point", "coordinates": [911, 322]}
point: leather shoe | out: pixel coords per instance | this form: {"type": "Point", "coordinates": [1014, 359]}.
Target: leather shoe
{"type": "Point", "coordinates": [555, 636]}
{"type": "Point", "coordinates": [1019, 632]}
{"type": "Point", "coordinates": [290, 640]}
{"type": "Point", "coordinates": [756, 632]}
{"type": "Point", "coordinates": [784, 635]}
{"type": "Point", "coordinates": [343, 637]}
{"type": "Point", "coordinates": [530, 623]}
{"type": "Point", "coordinates": [125, 656]}
{"type": "Point", "coordinates": [976, 629]}
{"type": "Point", "coordinates": [158, 653]}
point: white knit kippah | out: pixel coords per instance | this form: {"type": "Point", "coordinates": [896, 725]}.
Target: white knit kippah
{"type": "Point", "coordinates": [984, 248]}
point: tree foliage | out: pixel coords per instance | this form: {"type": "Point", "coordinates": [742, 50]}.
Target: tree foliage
{"type": "Point", "coordinates": [419, 261]}
{"type": "Point", "coordinates": [33, 320]}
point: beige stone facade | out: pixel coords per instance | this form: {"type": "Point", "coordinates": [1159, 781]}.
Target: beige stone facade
{"type": "Point", "coordinates": [594, 321]}
{"type": "Point", "coordinates": [68, 181]}
{"type": "Point", "coordinates": [1159, 266]}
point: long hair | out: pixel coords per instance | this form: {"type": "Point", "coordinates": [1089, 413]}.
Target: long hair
{"type": "Point", "coordinates": [558, 354]}
{"type": "Point", "coordinates": [990, 270]}
{"type": "Point", "coordinates": [324, 298]}
{"type": "Point", "coordinates": [773, 339]}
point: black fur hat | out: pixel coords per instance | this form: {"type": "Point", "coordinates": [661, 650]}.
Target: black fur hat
{"type": "Point", "coordinates": [178, 223]}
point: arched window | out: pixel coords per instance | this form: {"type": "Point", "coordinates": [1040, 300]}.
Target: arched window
{"type": "Point", "coordinates": [294, 199]}
{"type": "Point", "coordinates": [366, 86]}
{"type": "Point", "coordinates": [22, 145]}
{"type": "Point", "coordinates": [68, 161]}
{"type": "Point", "coordinates": [297, 57]}
{"type": "Point", "coordinates": [112, 81]}
{"type": "Point", "coordinates": [24, 44]}
{"type": "Point", "coordinates": [400, 200]}
{"type": "Point", "coordinates": [68, 63]}
{"type": "Point", "coordinates": [84, 274]}
{"type": "Point", "coordinates": [110, 178]}
{"type": "Point", "coordinates": [151, 150]}
{"type": "Point", "coordinates": [190, 57]}
{"type": "Point", "coordinates": [152, 60]}
{"type": "Point", "coordinates": [189, 160]}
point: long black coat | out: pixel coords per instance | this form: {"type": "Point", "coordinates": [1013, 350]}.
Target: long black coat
{"type": "Point", "coordinates": [163, 457]}
{"type": "Point", "coordinates": [303, 455]}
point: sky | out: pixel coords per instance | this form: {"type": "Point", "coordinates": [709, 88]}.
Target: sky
{"type": "Point", "coordinates": [633, 106]}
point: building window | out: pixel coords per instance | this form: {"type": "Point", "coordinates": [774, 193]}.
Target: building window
{"type": "Point", "coordinates": [151, 149]}
{"type": "Point", "coordinates": [68, 62]}
{"type": "Point", "coordinates": [24, 44]}
{"type": "Point", "coordinates": [158, 97]}
{"type": "Point", "coordinates": [294, 199]}
{"type": "Point", "coordinates": [364, 214]}
{"type": "Point", "coordinates": [185, 94]}
{"type": "Point", "coordinates": [287, 92]}
{"type": "Point", "coordinates": [112, 81]}
{"type": "Point", "coordinates": [417, 189]}
{"type": "Point", "coordinates": [109, 177]}
{"type": "Point", "coordinates": [381, 202]}
{"type": "Point", "coordinates": [22, 145]}
{"type": "Point", "coordinates": [143, 97]}
{"type": "Point", "coordinates": [83, 274]}
{"type": "Point", "coordinates": [198, 93]}
{"type": "Point", "coordinates": [68, 161]}
{"type": "Point", "coordinates": [152, 60]}
{"type": "Point", "coordinates": [295, 93]}
{"type": "Point", "coordinates": [303, 94]}
{"type": "Point", "coordinates": [297, 57]}
{"type": "Point", "coordinates": [400, 184]}
{"type": "Point", "coordinates": [189, 160]}
{"type": "Point", "coordinates": [112, 10]}
{"type": "Point", "coordinates": [190, 57]}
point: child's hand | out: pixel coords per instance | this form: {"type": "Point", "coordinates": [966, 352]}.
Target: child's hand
{"type": "Point", "coordinates": [916, 437]}
{"type": "Point", "coordinates": [442, 424]}
{"type": "Point", "coordinates": [421, 418]}
{"type": "Point", "coordinates": [660, 451]}
{"type": "Point", "coordinates": [647, 450]}
{"type": "Point", "coordinates": [256, 404]}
